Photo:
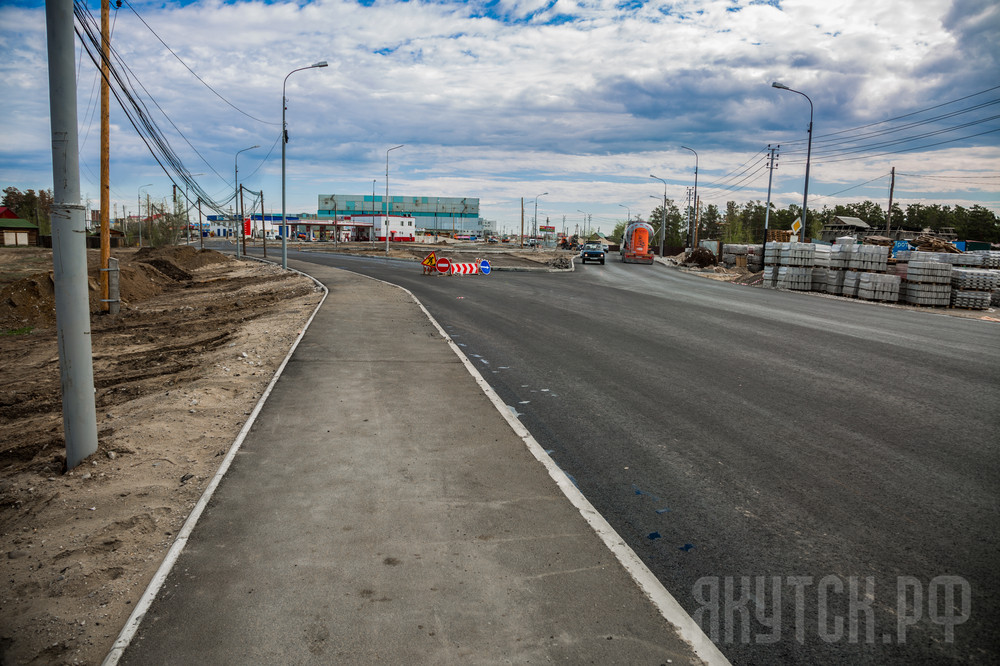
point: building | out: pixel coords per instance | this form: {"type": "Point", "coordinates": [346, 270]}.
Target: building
{"type": "Point", "coordinates": [446, 216]}
{"type": "Point", "coordinates": [14, 231]}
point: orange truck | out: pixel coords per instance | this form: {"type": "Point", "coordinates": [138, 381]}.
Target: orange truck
{"type": "Point", "coordinates": [635, 244]}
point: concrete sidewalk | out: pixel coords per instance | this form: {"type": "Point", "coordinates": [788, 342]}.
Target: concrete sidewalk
{"type": "Point", "coordinates": [382, 510]}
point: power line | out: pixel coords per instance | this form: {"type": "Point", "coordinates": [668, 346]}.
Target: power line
{"type": "Point", "coordinates": [193, 73]}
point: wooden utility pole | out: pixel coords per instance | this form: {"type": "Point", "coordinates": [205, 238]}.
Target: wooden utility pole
{"type": "Point", "coordinates": [888, 216]}
{"type": "Point", "coordinates": [105, 154]}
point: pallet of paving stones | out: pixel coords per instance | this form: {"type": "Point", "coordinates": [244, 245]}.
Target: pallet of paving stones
{"type": "Point", "coordinates": [928, 272]}
{"type": "Point", "coordinates": [879, 287]}
{"type": "Point", "coordinates": [971, 300]}
{"type": "Point", "coordinates": [921, 293]}
{"type": "Point", "coordinates": [972, 279]}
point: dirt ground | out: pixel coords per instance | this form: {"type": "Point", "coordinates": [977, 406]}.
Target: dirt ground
{"type": "Point", "coordinates": [502, 256]}
{"type": "Point", "coordinates": [177, 371]}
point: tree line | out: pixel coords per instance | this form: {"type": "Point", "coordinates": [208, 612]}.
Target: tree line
{"type": "Point", "coordinates": [744, 223]}
{"type": "Point", "coordinates": [158, 227]}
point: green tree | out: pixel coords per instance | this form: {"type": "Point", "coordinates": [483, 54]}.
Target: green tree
{"type": "Point", "coordinates": [711, 222]}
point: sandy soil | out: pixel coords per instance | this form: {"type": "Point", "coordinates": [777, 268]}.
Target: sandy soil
{"type": "Point", "coordinates": [177, 372]}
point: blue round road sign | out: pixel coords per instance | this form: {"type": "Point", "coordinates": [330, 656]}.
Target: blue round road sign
{"type": "Point", "coordinates": [484, 267]}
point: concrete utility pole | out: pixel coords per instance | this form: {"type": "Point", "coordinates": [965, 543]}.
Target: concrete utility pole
{"type": "Point", "coordinates": [888, 216]}
{"type": "Point", "coordinates": [771, 166]}
{"type": "Point", "coordinates": [522, 222]}
{"type": "Point", "coordinates": [69, 251]}
{"type": "Point", "coordinates": [105, 155]}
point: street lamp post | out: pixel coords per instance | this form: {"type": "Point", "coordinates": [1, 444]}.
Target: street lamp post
{"type": "Point", "coordinates": [586, 216]}
{"type": "Point", "coordinates": [284, 140]}
{"type": "Point", "coordinates": [534, 231]}
{"type": "Point", "coordinates": [694, 221]}
{"type": "Point", "coordinates": [629, 220]}
{"type": "Point", "coordinates": [805, 189]}
{"type": "Point", "coordinates": [236, 179]}
{"type": "Point", "coordinates": [663, 225]}
{"type": "Point", "coordinates": [386, 219]}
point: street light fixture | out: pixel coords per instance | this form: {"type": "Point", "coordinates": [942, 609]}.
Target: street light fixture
{"type": "Point", "coordinates": [236, 179]}
{"type": "Point", "coordinates": [694, 222]}
{"type": "Point", "coordinates": [386, 220]}
{"type": "Point", "coordinates": [629, 221]}
{"type": "Point", "coordinates": [805, 189]}
{"type": "Point", "coordinates": [663, 225]}
{"type": "Point", "coordinates": [284, 140]}
{"type": "Point", "coordinates": [534, 233]}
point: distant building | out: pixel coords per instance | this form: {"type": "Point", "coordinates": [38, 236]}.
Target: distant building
{"type": "Point", "coordinates": [841, 226]}
{"type": "Point", "coordinates": [448, 216]}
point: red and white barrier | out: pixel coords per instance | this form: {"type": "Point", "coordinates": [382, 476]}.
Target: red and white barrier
{"type": "Point", "coordinates": [463, 268]}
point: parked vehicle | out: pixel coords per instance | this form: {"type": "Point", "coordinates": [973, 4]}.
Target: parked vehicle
{"type": "Point", "coordinates": [635, 247]}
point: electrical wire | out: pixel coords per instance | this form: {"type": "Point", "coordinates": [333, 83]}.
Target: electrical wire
{"type": "Point", "coordinates": [193, 73]}
{"type": "Point", "coordinates": [138, 114]}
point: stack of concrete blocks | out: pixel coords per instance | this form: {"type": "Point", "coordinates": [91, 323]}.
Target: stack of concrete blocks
{"type": "Point", "coordinates": [772, 261]}
{"type": "Point", "coordinates": [730, 252]}
{"type": "Point", "coordinates": [850, 284]}
{"type": "Point", "coordinates": [973, 288]}
{"type": "Point", "coordinates": [970, 260]}
{"type": "Point", "coordinates": [839, 260]}
{"type": "Point", "coordinates": [991, 258]}
{"type": "Point", "coordinates": [755, 258]}
{"type": "Point", "coordinates": [870, 258]}
{"type": "Point", "coordinates": [878, 287]}
{"type": "Point", "coordinates": [799, 262]}
{"type": "Point", "coordinates": [821, 266]}
{"type": "Point", "coordinates": [927, 283]}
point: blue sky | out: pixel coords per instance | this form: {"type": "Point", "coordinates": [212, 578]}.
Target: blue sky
{"type": "Point", "coordinates": [508, 99]}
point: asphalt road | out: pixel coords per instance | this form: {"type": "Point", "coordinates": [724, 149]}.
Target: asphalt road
{"type": "Point", "coordinates": [815, 480]}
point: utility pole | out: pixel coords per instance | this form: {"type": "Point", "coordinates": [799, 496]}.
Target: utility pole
{"type": "Point", "coordinates": [888, 216]}
{"type": "Point", "coordinates": [242, 233]}
{"type": "Point", "coordinates": [201, 228]}
{"type": "Point", "coordinates": [105, 156]}
{"type": "Point", "coordinates": [771, 166]}
{"type": "Point", "coordinates": [263, 227]}
{"type": "Point", "coordinates": [69, 251]}
{"type": "Point", "coordinates": [522, 223]}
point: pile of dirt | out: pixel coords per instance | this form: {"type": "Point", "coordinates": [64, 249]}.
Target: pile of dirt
{"type": "Point", "coordinates": [30, 302]}
{"type": "Point", "coordinates": [176, 372]}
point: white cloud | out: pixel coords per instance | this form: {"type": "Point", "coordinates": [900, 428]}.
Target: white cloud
{"type": "Point", "coordinates": [583, 99]}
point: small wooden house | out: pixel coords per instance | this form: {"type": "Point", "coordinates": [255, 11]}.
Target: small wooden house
{"type": "Point", "coordinates": [14, 231]}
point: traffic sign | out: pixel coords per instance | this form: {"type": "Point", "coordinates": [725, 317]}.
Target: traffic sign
{"type": "Point", "coordinates": [464, 268]}
{"type": "Point", "coordinates": [484, 267]}
{"type": "Point", "coordinates": [796, 226]}
{"type": "Point", "coordinates": [443, 265]}
{"type": "Point", "coordinates": [430, 260]}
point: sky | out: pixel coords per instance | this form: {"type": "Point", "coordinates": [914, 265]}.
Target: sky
{"type": "Point", "coordinates": [573, 104]}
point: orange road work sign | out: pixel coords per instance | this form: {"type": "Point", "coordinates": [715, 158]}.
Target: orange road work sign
{"type": "Point", "coordinates": [429, 263]}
